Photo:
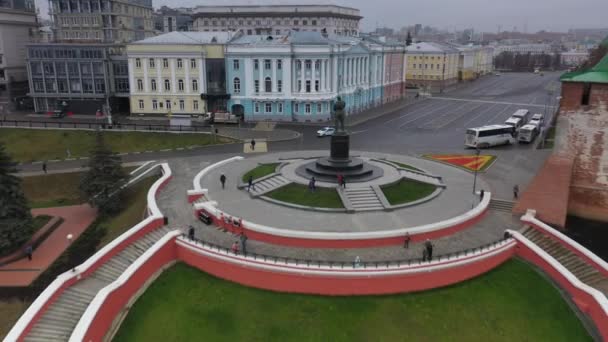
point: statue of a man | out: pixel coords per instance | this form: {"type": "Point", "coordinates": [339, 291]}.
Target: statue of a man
{"type": "Point", "coordinates": [339, 115]}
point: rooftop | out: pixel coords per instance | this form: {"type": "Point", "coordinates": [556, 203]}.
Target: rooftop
{"type": "Point", "coordinates": [429, 48]}
{"type": "Point", "coordinates": [188, 38]}
{"type": "Point", "coordinates": [597, 74]}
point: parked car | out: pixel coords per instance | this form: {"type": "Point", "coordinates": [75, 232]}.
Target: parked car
{"type": "Point", "coordinates": [326, 131]}
{"type": "Point", "coordinates": [538, 120]}
{"type": "Point", "coordinates": [514, 122]}
{"type": "Point", "coordinates": [58, 114]}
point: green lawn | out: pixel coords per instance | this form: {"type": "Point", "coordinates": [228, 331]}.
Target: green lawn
{"type": "Point", "coordinates": [405, 166]}
{"type": "Point", "coordinates": [299, 194]}
{"type": "Point", "coordinates": [510, 303]}
{"type": "Point", "coordinates": [26, 145]}
{"type": "Point", "coordinates": [407, 191]}
{"type": "Point", "coordinates": [260, 171]}
{"type": "Point", "coordinates": [40, 221]}
{"type": "Point", "coordinates": [10, 311]}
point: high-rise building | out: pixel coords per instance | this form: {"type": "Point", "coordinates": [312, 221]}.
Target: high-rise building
{"type": "Point", "coordinates": [18, 26]}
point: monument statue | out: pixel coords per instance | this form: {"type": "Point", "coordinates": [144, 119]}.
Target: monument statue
{"type": "Point", "coordinates": [339, 115]}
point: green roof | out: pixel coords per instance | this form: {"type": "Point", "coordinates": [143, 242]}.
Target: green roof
{"type": "Point", "coordinates": [604, 42]}
{"type": "Point", "coordinates": [597, 74]}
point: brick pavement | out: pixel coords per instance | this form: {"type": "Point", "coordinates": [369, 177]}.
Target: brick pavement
{"type": "Point", "coordinates": [23, 272]}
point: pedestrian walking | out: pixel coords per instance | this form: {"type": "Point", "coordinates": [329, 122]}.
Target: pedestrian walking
{"type": "Point", "coordinates": [340, 178]}
{"type": "Point", "coordinates": [357, 262]}
{"type": "Point", "coordinates": [235, 247]}
{"type": "Point", "coordinates": [68, 153]}
{"type": "Point", "coordinates": [343, 182]}
{"type": "Point", "coordinates": [481, 192]}
{"type": "Point", "coordinates": [424, 254]}
{"type": "Point", "coordinates": [243, 243]}
{"type": "Point", "coordinates": [312, 186]}
{"type": "Point", "coordinates": [28, 252]}
{"type": "Point", "coordinates": [190, 232]}
{"type": "Point", "coordinates": [516, 191]}
{"type": "Point", "coordinates": [250, 184]}
{"type": "Point", "coordinates": [429, 249]}
{"type": "Point", "coordinates": [253, 144]}
{"type": "Point", "coordinates": [44, 166]}
{"type": "Point", "coordinates": [406, 241]}
{"type": "Point", "coordinates": [223, 180]}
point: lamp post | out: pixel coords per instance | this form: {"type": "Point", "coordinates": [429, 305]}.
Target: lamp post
{"type": "Point", "coordinates": [477, 151]}
{"type": "Point", "coordinates": [69, 237]}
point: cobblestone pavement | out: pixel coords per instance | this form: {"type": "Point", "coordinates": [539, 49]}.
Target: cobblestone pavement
{"type": "Point", "coordinates": [173, 203]}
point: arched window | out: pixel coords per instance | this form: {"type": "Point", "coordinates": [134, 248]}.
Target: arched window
{"type": "Point", "coordinates": [167, 85]}
{"type": "Point", "coordinates": [194, 85]}
{"type": "Point", "coordinates": [180, 85]}
{"type": "Point", "coordinates": [268, 85]}
{"type": "Point", "coordinates": [237, 85]}
{"type": "Point", "coordinates": [153, 84]}
{"type": "Point", "coordinates": [140, 85]}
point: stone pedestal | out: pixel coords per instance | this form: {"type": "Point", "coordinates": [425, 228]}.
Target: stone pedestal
{"type": "Point", "coordinates": [340, 146]}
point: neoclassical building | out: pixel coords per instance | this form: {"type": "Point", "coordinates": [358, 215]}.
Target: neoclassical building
{"type": "Point", "coordinates": [298, 76]}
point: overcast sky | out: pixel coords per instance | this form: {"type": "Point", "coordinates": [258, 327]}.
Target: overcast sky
{"type": "Point", "coordinates": [485, 15]}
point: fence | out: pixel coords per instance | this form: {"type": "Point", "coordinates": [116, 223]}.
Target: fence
{"type": "Point", "coordinates": [118, 126]}
{"type": "Point", "coordinates": [354, 264]}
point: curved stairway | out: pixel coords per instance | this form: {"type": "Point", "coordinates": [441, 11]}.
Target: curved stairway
{"type": "Point", "coordinates": [62, 315]}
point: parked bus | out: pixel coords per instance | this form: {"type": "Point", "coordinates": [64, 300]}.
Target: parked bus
{"type": "Point", "coordinates": [527, 133]}
{"type": "Point", "coordinates": [523, 114]}
{"type": "Point", "coordinates": [492, 135]}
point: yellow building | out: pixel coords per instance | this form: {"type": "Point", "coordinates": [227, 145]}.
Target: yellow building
{"type": "Point", "coordinates": [177, 73]}
{"type": "Point", "coordinates": [431, 65]}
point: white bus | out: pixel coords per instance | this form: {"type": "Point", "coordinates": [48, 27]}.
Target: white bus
{"type": "Point", "coordinates": [523, 114]}
{"type": "Point", "coordinates": [527, 133]}
{"type": "Point", "coordinates": [492, 135]}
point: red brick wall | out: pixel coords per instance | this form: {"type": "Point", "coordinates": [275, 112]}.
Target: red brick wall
{"type": "Point", "coordinates": [599, 96]}
{"type": "Point", "coordinates": [571, 96]}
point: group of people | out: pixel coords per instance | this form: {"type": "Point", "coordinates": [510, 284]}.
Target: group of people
{"type": "Point", "coordinates": [240, 244]}
{"type": "Point", "coordinates": [427, 250]}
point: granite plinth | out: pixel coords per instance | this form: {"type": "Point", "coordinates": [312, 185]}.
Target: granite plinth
{"type": "Point", "coordinates": [327, 169]}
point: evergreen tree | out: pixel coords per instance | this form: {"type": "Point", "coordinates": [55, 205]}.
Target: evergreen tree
{"type": "Point", "coordinates": [101, 184]}
{"type": "Point", "coordinates": [16, 226]}
{"type": "Point", "coordinates": [408, 39]}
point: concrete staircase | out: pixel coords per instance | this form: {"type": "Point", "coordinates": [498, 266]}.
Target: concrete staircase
{"type": "Point", "coordinates": [421, 177]}
{"type": "Point", "coordinates": [363, 199]}
{"type": "Point", "coordinates": [501, 205]}
{"type": "Point", "coordinates": [60, 319]}
{"type": "Point", "coordinates": [267, 184]}
{"type": "Point", "coordinates": [575, 264]}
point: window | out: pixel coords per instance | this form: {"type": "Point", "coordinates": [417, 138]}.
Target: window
{"type": "Point", "coordinates": [268, 85]}
{"type": "Point", "coordinates": [194, 85]}
{"type": "Point", "coordinates": [319, 107]}
{"type": "Point", "coordinates": [195, 105]}
{"type": "Point", "coordinates": [426, 66]}
{"type": "Point", "coordinates": [279, 64]}
{"type": "Point", "coordinates": [298, 65]}
{"type": "Point", "coordinates": [256, 66]}
{"type": "Point", "coordinates": [165, 63]}
{"type": "Point", "coordinates": [280, 107]}
{"type": "Point", "coordinates": [280, 86]}
{"type": "Point", "coordinates": [317, 65]}
{"type": "Point", "coordinates": [267, 64]}
{"type": "Point", "coordinates": [182, 105]}
{"type": "Point", "coordinates": [256, 107]}
{"type": "Point", "coordinates": [151, 62]}
{"type": "Point", "coordinates": [141, 104]}
{"type": "Point", "coordinates": [168, 104]}
{"type": "Point", "coordinates": [296, 22]}
{"type": "Point", "coordinates": [193, 63]}
{"type": "Point", "coordinates": [236, 64]}
{"type": "Point", "coordinates": [167, 85]}
{"type": "Point", "coordinates": [237, 86]}
{"type": "Point", "coordinates": [140, 85]}
{"type": "Point", "coordinates": [307, 108]}
{"type": "Point", "coordinates": [179, 63]}
{"type": "Point", "coordinates": [154, 104]}
{"type": "Point", "coordinates": [153, 85]}
{"type": "Point", "coordinates": [308, 86]}
{"type": "Point", "coordinates": [314, 23]}
{"type": "Point", "coordinates": [137, 63]}
{"type": "Point", "coordinates": [586, 94]}
{"type": "Point", "coordinates": [180, 85]}
{"type": "Point", "coordinates": [256, 86]}
{"type": "Point", "coordinates": [268, 107]}
{"type": "Point", "coordinates": [296, 108]}
{"type": "Point", "coordinates": [308, 64]}
{"type": "Point", "coordinates": [317, 83]}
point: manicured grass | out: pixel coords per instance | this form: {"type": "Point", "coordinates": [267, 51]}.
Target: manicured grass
{"type": "Point", "coordinates": [299, 194]}
{"type": "Point", "coordinates": [52, 190]}
{"type": "Point", "coordinates": [40, 221]}
{"type": "Point", "coordinates": [406, 191]}
{"type": "Point", "coordinates": [510, 303]}
{"type": "Point", "coordinates": [405, 166]}
{"type": "Point", "coordinates": [136, 200]}
{"type": "Point", "coordinates": [10, 311]}
{"type": "Point", "coordinates": [26, 145]}
{"type": "Point", "coordinates": [260, 171]}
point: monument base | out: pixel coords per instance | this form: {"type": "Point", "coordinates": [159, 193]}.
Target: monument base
{"type": "Point", "coordinates": [340, 146]}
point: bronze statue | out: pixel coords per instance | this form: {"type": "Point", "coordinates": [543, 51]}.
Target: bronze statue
{"type": "Point", "coordinates": [339, 115]}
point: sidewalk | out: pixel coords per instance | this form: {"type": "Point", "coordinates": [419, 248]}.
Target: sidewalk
{"type": "Point", "coordinates": [76, 220]}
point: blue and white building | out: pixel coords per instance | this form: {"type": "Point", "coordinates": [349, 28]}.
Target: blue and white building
{"type": "Point", "coordinates": [298, 76]}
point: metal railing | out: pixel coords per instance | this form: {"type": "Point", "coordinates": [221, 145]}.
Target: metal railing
{"type": "Point", "coordinates": [117, 126]}
{"type": "Point", "coordinates": [348, 264]}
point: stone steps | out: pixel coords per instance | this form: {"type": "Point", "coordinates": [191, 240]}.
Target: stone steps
{"type": "Point", "coordinates": [578, 266]}
{"type": "Point", "coordinates": [363, 199]}
{"type": "Point", "coordinates": [267, 185]}
{"type": "Point", "coordinates": [61, 317]}
{"type": "Point", "coordinates": [501, 205]}
{"type": "Point", "coordinates": [420, 177]}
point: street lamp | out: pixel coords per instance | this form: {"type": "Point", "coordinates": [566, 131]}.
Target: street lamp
{"type": "Point", "coordinates": [477, 151]}
{"type": "Point", "coordinates": [69, 237]}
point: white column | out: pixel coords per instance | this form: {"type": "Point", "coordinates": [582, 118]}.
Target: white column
{"type": "Point", "coordinates": [349, 80]}
{"type": "Point", "coordinates": [202, 76]}
{"type": "Point", "coordinates": [302, 75]}
{"type": "Point", "coordinates": [146, 81]}
{"type": "Point", "coordinates": [173, 82]}
{"type": "Point", "coordinates": [187, 87]}
{"type": "Point", "coordinates": [287, 68]}
{"type": "Point", "coordinates": [334, 75]}
{"type": "Point", "coordinates": [274, 75]}
{"type": "Point", "coordinates": [261, 75]}
{"type": "Point", "coordinates": [247, 80]}
{"type": "Point", "coordinates": [132, 85]}
{"type": "Point", "coordinates": [159, 80]}
{"type": "Point", "coordinates": [366, 70]}
{"type": "Point", "coordinates": [313, 77]}
{"type": "Point", "coordinates": [358, 70]}
{"type": "Point", "coordinates": [322, 85]}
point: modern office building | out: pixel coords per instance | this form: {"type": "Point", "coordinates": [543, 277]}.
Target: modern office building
{"type": "Point", "coordinates": [432, 65]}
{"type": "Point", "coordinates": [178, 73]}
{"type": "Point", "coordinates": [18, 26]}
{"type": "Point", "coordinates": [277, 19]}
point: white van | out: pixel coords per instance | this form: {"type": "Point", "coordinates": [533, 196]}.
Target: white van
{"type": "Point", "coordinates": [527, 133]}
{"type": "Point", "coordinates": [537, 119]}
{"type": "Point", "coordinates": [523, 114]}
{"type": "Point", "coordinates": [486, 136]}
{"type": "Point", "coordinates": [514, 122]}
